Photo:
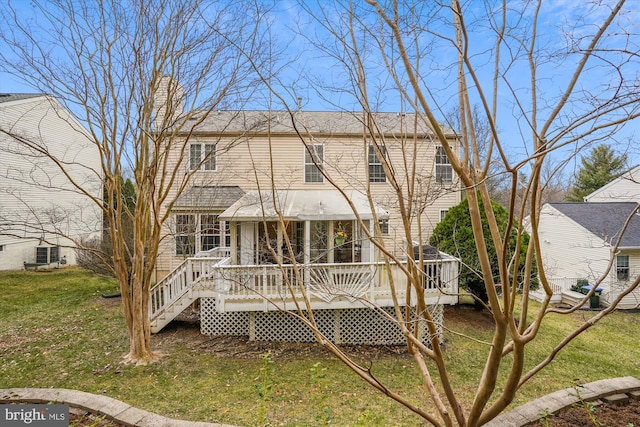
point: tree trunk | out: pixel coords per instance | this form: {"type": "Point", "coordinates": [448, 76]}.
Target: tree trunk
{"type": "Point", "coordinates": [139, 330]}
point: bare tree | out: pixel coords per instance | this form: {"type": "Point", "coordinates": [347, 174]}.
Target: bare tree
{"type": "Point", "coordinates": [428, 56]}
{"type": "Point", "coordinates": [116, 66]}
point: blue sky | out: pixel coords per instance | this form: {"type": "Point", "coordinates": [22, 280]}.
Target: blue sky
{"type": "Point", "coordinates": [559, 20]}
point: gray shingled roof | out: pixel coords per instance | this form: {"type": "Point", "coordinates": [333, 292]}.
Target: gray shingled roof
{"type": "Point", "coordinates": [326, 122]}
{"type": "Point", "coordinates": [8, 97]}
{"type": "Point", "coordinates": [605, 220]}
{"type": "Point", "coordinates": [209, 197]}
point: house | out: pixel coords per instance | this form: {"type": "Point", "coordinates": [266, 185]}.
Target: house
{"type": "Point", "coordinates": [591, 241]}
{"type": "Point", "coordinates": [284, 203]}
{"type": "Point", "coordinates": [41, 213]}
{"type": "Point", "coordinates": [625, 188]}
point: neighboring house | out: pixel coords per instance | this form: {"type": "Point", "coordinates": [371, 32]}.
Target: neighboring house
{"type": "Point", "coordinates": [591, 241]}
{"type": "Point", "coordinates": [625, 188]}
{"type": "Point", "coordinates": [39, 208]}
{"type": "Point", "coordinates": [226, 247]}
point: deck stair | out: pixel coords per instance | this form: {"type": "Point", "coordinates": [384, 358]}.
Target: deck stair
{"type": "Point", "coordinates": [180, 289]}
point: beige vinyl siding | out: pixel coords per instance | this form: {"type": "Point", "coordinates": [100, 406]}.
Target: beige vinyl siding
{"type": "Point", "coordinates": [257, 162]}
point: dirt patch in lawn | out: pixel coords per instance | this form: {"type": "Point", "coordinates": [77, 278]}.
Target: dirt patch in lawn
{"type": "Point", "coordinates": [185, 330]}
{"type": "Point", "coordinates": [609, 415]}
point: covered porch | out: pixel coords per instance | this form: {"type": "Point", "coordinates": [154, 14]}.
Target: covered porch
{"type": "Point", "coordinates": [305, 226]}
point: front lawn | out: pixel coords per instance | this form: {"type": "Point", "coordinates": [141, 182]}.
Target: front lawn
{"type": "Point", "coordinates": [57, 331]}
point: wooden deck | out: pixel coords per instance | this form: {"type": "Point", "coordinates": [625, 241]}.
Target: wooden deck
{"type": "Point", "coordinates": [239, 288]}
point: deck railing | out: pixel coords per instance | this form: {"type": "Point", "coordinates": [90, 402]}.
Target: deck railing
{"type": "Point", "coordinates": [325, 281]}
{"type": "Point", "coordinates": [560, 284]}
{"type": "Point", "coordinates": [276, 282]}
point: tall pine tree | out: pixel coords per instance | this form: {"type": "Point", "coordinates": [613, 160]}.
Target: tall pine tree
{"type": "Point", "coordinates": [599, 168]}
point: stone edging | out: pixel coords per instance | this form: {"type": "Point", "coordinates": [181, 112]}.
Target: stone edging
{"type": "Point", "coordinates": [561, 399]}
{"type": "Point", "coordinates": [130, 416]}
{"type": "Point", "coordinates": [101, 405]}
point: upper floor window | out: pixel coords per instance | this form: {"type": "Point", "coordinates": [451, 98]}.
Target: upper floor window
{"type": "Point", "coordinates": [444, 171]}
{"type": "Point", "coordinates": [622, 267]}
{"type": "Point", "coordinates": [376, 170]}
{"type": "Point", "coordinates": [313, 160]}
{"type": "Point", "coordinates": [443, 213]}
{"type": "Point", "coordinates": [202, 156]}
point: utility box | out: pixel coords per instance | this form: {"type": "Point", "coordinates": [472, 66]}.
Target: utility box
{"type": "Point", "coordinates": [594, 300]}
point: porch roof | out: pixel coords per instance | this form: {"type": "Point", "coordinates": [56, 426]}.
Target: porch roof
{"type": "Point", "coordinates": [301, 205]}
{"type": "Point", "coordinates": [209, 197]}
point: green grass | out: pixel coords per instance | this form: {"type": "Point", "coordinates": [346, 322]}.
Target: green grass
{"type": "Point", "coordinates": [57, 331]}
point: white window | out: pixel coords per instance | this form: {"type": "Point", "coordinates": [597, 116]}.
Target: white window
{"type": "Point", "coordinates": [443, 213]}
{"type": "Point", "coordinates": [185, 234]}
{"type": "Point", "coordinates": [384, 226]}
{"type": "Point", "coordinates": [313, 160]}
{"type": "Point", "coordinates": [195, 233]}
{"type": "Point", "coordinates": [47, 254]}
{"type": "Point", "coordinates": [202, 157]}
{"type": "Point", "coordinates": [376, 170]}
{"type": "Point", "coordinates": [444, 171]}
{"type": "Point", "coordinates": [209, 232]}
{"type": "Point", "coordinates": [622, 267]}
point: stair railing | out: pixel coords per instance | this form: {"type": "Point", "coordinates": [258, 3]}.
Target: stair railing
{"type": "Point", "coordinates": [183, 278]}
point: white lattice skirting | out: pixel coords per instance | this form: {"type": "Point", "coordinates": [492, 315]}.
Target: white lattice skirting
{"type": "Point", "coordinates": [342, 326]}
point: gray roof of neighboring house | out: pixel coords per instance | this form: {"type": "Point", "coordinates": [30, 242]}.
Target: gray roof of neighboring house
{"type": "Point", "coordinates": [326, 122]}
{"type": "Point", "coordinates": [209, 197]}
{"type": "Point", "coordinates": [8, 97]}
{"type": "Point", "coordinates": [605, 220]}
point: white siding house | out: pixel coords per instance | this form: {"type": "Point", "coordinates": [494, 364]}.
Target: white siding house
{"type": "Point", "coordinates": [229, 247]}
{"type": "Point", "coordinates": [588, 241]}
{"type": "Point", "coordinates": [41, 211]}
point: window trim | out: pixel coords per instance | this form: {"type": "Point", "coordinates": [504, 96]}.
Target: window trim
{"type": "Point", "coordinates": [384, 226]}
{"type": "Point", "coordinates": [182, 231]}
{"type": "Point", "coordinates": [313, 172]}
{"type": "Point", "coordinates": [443, 213]}
{"type": "Point", "coordinates": [212, 230]}
{"type": "Point", "coordinates": [207, 162]}
{"type": "Point", "coordinates": [443, 169]}
{"type": "Point", "coordinates": [194, 238]}
{"type": "Point", "coordinates": [47, 254]}
{"type": "Point", "coordinates": [372, 155]}
{"type": "Point", "coordinates": [622, 272]}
